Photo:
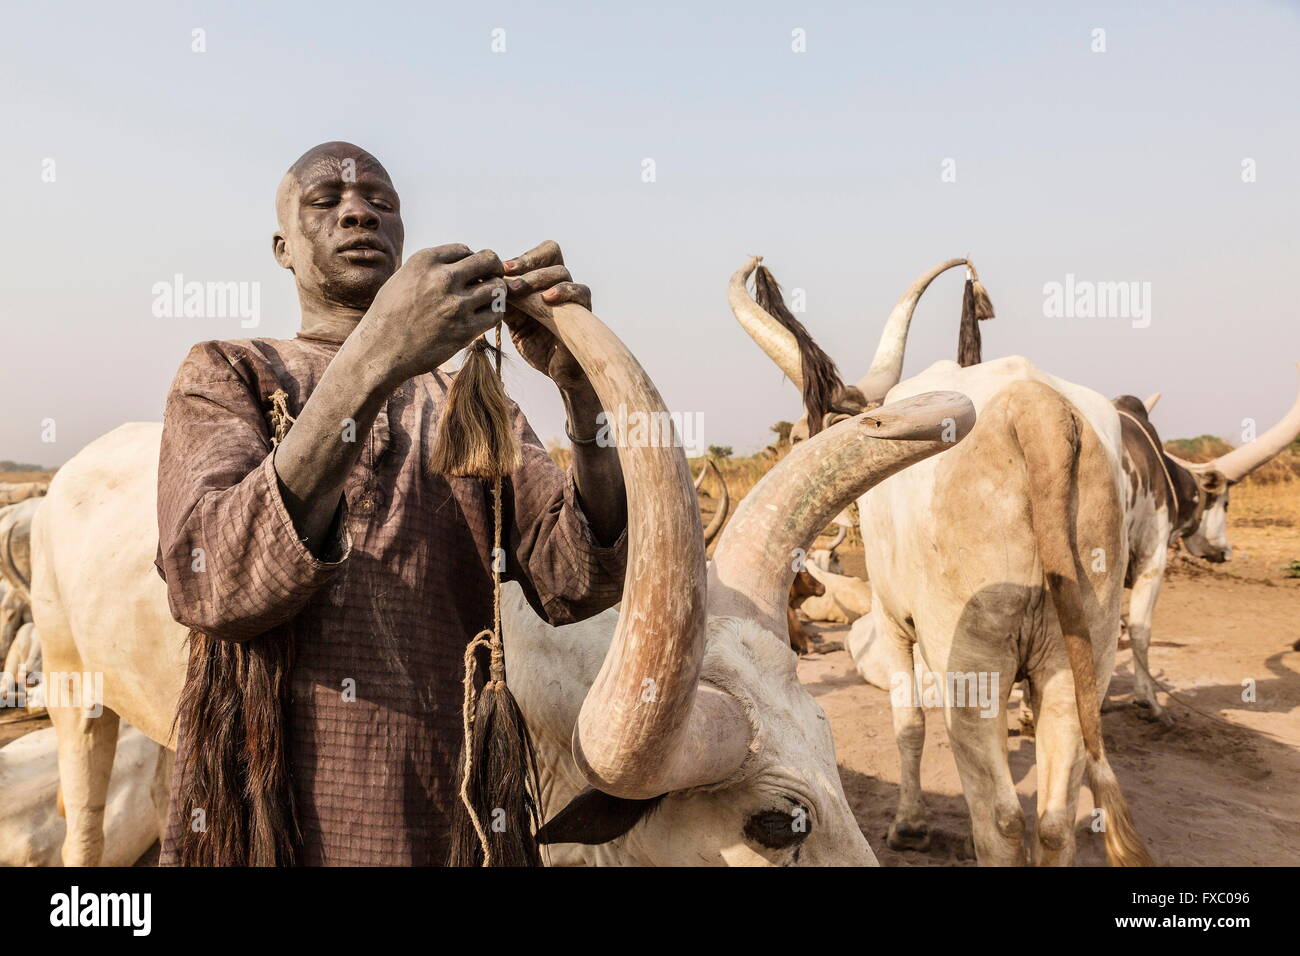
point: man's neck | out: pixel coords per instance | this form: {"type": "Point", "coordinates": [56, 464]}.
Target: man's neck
{"type": "Point", "coordinates": [327, 320]}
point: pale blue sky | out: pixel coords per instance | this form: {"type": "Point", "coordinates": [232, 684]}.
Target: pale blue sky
{"type": "Point", "coordinates": [1123, 165]}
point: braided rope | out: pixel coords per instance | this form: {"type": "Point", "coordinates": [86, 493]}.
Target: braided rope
{"type": "Point", "coordinates": [491, 639]}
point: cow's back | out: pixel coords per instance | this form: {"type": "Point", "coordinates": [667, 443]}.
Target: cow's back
{"type": "Point", "coordinates": [950, 541]}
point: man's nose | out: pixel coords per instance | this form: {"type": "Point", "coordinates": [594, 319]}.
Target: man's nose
{"type": "Point", "coordinates": [355, 212]}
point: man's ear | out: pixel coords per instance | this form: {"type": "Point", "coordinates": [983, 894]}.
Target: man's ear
{"type": "Point", "coordinates": [593, 817]}
{"type": "Point", "coordinates": [280, 249]}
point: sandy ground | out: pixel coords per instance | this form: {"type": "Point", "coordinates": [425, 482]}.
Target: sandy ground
{"type": "Point", "coordinates": [1203, 793]}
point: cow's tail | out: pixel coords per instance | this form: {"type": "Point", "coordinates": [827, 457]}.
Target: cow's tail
{"type": "Point", "coordinates": [19, 578]}
{"type": "Point", "coordinates": [1049, 433]}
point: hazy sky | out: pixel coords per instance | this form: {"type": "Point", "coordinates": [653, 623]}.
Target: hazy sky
{"type": "Point", "coordinates": [1123, 165]}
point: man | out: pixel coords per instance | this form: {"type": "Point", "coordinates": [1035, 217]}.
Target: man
{"type": "Point", "coordinates": [331, 583]}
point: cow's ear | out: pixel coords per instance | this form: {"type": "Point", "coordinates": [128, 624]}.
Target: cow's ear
{"type": "Point", "coordinates": [1213, 481]}
{"type": "Point", "coordinates": [594, 817]}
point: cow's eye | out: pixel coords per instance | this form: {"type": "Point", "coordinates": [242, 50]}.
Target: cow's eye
{"type": "Point", "coordinates": [779, 829]}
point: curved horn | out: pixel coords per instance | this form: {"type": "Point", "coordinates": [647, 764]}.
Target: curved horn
{"type": "Point", "coordinates": [699, 479]}
{"type": "Point", "coordinates": [1240, 462]}
{"type": "Point", "coordinates": [647, 726]}
{"type": "Point", "coordinates": [1150, 402]}
{"type": "Point", "coordinates": [770, 336]}
{"type": "Point", "coordinates": [841, 532]}
{"type": "Point", "coordinates": [887, 367]}
{"type": "Point", "coordinates": [724, 504]}
{"type": "Point", "coordinates": [754, 563]}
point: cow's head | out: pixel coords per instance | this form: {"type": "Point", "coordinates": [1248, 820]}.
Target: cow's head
{"type": "Point", "coordinates": [782, 806]}
{"type": "Point", "coordinates": [1208, 535]}
{"type": "Point", "coordinates": [676, 731]}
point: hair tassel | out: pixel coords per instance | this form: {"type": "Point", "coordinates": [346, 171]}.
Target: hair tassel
{"type": "Point", "coordinates": [476, 435]}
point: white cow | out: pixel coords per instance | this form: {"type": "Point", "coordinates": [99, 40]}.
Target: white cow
{"type": "Point", "coordinates": [20, 648]}
{"type": "Point", "coordinates": [1005, 558]}
{"type": "Point", "coordinates": [729, 761]}
{"type": "Point", "coordinates": [31, 827]}
{"type": "Point", "coordinates": [12, 492]}
{"type": "Point", "coordinates": [846, 596]}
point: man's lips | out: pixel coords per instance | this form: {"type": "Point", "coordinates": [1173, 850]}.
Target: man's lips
{"type": "Point", "coordinates": [363, 250]}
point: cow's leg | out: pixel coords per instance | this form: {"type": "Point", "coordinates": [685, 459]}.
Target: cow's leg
{"type": "Point", "coordinates": [86, 748]}
{"type": "Point", "coordinates": [909, 831]}
{"type": "Point", "coordinates": [977, 731]}
{"type": "Point", "coordinates": [1059, 758]}
{"type": "Point", "coordinates": [1142, 607]}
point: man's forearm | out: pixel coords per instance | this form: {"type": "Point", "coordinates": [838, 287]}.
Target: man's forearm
{"type": "Point", "coordinates": [596, 469]}
{"type": "Point", "coordinates": [313, 461]}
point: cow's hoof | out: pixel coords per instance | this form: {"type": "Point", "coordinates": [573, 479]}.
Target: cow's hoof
{"type": "Point", "coordinates": [1150, 712]}
{"type": "Point", "coordinates": [966, 849]}
{"type": "Point", "coordinates": [903, 837]}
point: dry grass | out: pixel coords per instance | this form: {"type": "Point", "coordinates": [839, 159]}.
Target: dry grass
{"type": "Point", "coordinates": [1263, 505]}
{"type": "Point", "coordinates": [20, 477]}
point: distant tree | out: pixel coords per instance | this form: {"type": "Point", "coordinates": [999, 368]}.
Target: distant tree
{"type": "Point", "coordinates": [782, 430]}
{"type": "Point", "coordinates": [719, 451]}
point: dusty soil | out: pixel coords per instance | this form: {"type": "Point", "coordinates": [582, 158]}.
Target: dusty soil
{"type": "Point", "coordinates": [1203, 792]}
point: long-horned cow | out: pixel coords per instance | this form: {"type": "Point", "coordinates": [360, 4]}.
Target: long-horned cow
{"type": "Point", "coordinates": [1171, 500]}
{"type": "Point", "coordinates": [674, 731]}
{"type": "Point", "coordinates": [1005, 559]}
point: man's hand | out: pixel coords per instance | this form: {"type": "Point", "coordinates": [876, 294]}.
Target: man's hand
{"type": "Point", "coordinates": [438, 302]}
{"type": "Point", "coordinates": [542, 270]}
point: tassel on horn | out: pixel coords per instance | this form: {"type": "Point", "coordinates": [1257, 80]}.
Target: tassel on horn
{"type": "Point", "coordinates": [976, 307]}
{"type": "Point", "coordinates": [476, 437]}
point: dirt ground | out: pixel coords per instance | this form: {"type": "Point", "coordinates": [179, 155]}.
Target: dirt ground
{"type": "Point", "coordinates": [1202, 793]}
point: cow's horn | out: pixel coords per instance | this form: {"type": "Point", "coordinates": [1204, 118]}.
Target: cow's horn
{"type": "Point", "coordinates": [1240, 462]}
{"type": "Point", "coordinates": [887, 367]}
{"type": "Point", "coordinates": [647, 725]}
{"type": "Point", "coordinates": [724, 504]}
{"type": "Point", "coordinates": [769, 334]}
{"type": "Point", "coordinates": [758, 553]}
{"type": "Point", "coordinates": [1151, 401]}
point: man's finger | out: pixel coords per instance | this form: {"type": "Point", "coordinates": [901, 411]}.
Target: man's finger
{"type": "Point", "coordinates": [538, 280]}
{"type": "Point", "coordinates": [545, 254]}
{"type": "Point", "coordinates": [519, 323]}
{"type": "Point", "coordinates": [451, 252]}
{"type": "Point", "coordinates": [490, 294]}
{"type": "Point", "coordinates": [564, 292]}
{"type": "Point", "coordinates": [471, 270]}
{"type": "Point", "coordinates": [477, 323]}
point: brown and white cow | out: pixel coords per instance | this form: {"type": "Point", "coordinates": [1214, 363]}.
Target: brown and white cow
{"type": "Point", "coordinates": [1171, 500]}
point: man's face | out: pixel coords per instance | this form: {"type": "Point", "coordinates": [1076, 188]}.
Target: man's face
{"type": "Point", "coordinates": [340, 225]}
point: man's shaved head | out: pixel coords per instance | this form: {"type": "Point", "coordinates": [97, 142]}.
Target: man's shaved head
{"type": "Point", "coordinates": [340, 227]}
{"type": "Point", "coordinates": [337, 156]}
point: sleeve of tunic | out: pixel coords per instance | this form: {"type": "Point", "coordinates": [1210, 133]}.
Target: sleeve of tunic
{"type": "Point", "coordinates": [572, 575]}
{"type": "Point", "coordinates": [227, 548]}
